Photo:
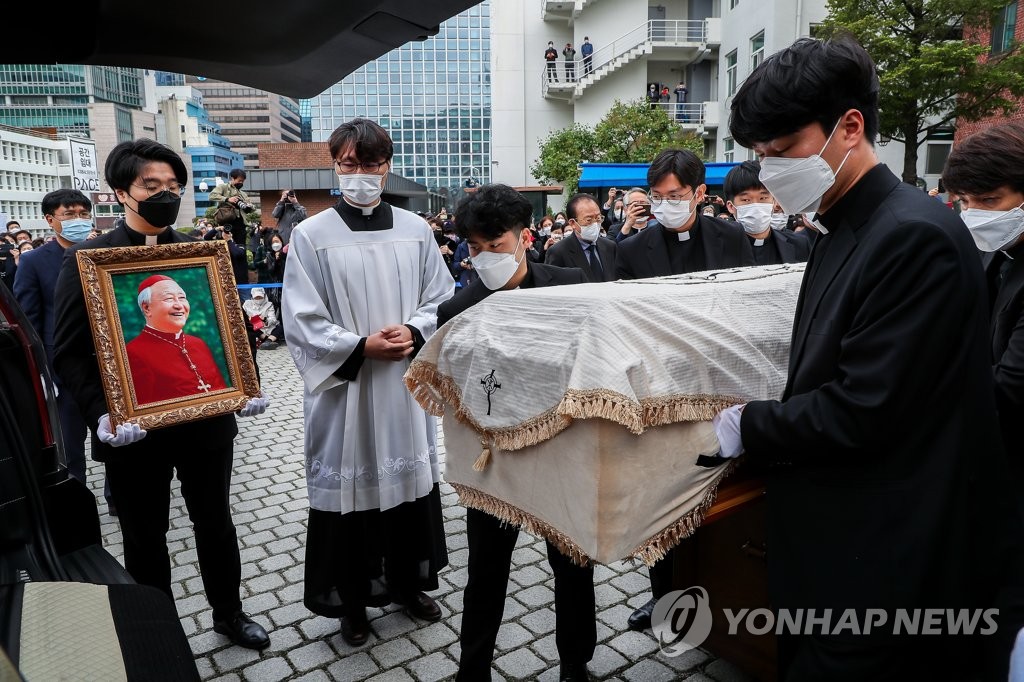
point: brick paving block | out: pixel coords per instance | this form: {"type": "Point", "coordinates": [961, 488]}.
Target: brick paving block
{"type": "Point", "coordinates": [603, 574]}
{"type": "Point", "coordinates": [649, 671]}
{"type": "Point", "coordinates": [526, 555]}
{"type": "Point", "coordinates": [458, 558]}
{"type": "Point", "coordinates": [178, 591]}
{"type": "Point", "coordinates": [311, 656]}
{"type": "Point", "coordinates": [686, 661]}
{"type": "Point", "coordinates": [289, 529]}
{"type": "Point", "coordinates": [434, 636]}
{"type": "Point", "coordinates": [261, 602]}
{"type": "Point", "coordinates": [265, 582]}
{"type": "Point", "coordinates": [188, 556]}
{"type": "Point", "coordinates": [247, 505]}
{"type": "Point", "coordinates": [455, 525]}
{"type": "Point", "coordinates": [193, 585]}
{"type": "Point", "coordinates": [205, 668]}
{"type": "Point", "coordinates": [396, 675]}
{"type": "Point", "coordinates": [454, 601]}
{"type": "Point", "coordinates": [230, 677]}
{"type": "Point", "coordinates": [277, 563]}
{"type": "Point", "coordinates": [283, 639]}
{"type": "Point", "coordinates": [724, 671]}
{"type": "Point", "coordinates": [313, 676]}
{"type": "Point", "coordinates": [290, 593]}
{"type": "Point", "coordinates": [234, 657]}
{"type": "Point", "coordinates": [513, 610]}
{"type": "Point", "coordinates": [457, 577]}
{"type": "Point", "coordinates": [395, 652]}
{"type": "Point", "coordinates": [546, 648]}
{"type": "Point", "coordinates": [606, 660]}
{"type": "Point", "coordinates": [625, 566]}
{"type": "Point", "coordinates": [252, 554]}
{"type": "Point", "coordinates": [540, 622]}
{"type": "Point", "coordinates": [189, 625]}
{"type": "Point", "coordinates": [538, 595]}
{"type": "Point", "coordinates": [638, 600]}
{"type": "Point", "coordinates": [528, 576]}
{"type": "Point", "coordinates": [295, 574]}
{"type": "Point", "coordinates": [521, 663]}
{"type": "Point", "coordinates": [433, 668]}
{"type": "Point", "coordinates": [258, 539]}
{"type": "Point", "coordinates": [606, 595]}
{"type": "Point", "coordinates": [191, 605]}
{"type": "Point", "coordinates": [549, 675]}
{"type": "Point", "coordinates": [269, 670]}
{"type": "Point", "coordinates": [260, 525]}
{"type": "Point", "coordinates": [288, 614]}
{"type": "Point", "coordinates": [615, 616]}
{"type": "Point", "coordinates": [632, 583]}
{"type": "Point", "coordinates": [250, 570]}
{"type": "Point", "coordinates": [512, 636]}
{"type": "Point", "coordinates": [206, 641]}
{"type": "Point", "coordinates": [282, 545]}
{"type": "Point", "coordinates": [392, 625]}
{"type": "Point", "coordinates": [633, 645]}
{"type": "Point", "coordinates": [353, 669]}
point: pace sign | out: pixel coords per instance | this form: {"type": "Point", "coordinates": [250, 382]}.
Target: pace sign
{"type": "Point", "coordinates": [85, 173]}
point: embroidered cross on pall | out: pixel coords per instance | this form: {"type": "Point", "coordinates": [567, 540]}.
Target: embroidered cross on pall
{"type": "Point", "coordinates": [490, 384]}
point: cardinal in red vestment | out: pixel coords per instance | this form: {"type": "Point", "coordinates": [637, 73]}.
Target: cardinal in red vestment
{"type": "Point", "coordinates": [166, 363]}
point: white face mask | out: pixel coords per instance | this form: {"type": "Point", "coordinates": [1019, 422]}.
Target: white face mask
{"type": "Point", "coordinates": [496, 269]}
{"type": "Point", "coordinates": [799, 184]}
{"type": "Point", "coordinates": [361, 188]}
{"type": "Point", "coordinates": [276, 246]}
{"type": "Point", "coordinates": [994, 230]}
{"type": "Point", "coordinates": [590, 233]}
{"type": "Point", "coordinates": [670, 216]}
{"type": "Point", "coordinates": [755, 218]}
{"type": "Point", "coordinates": [779, 221]}
{"type": "Point", "coordinates": [545, 231]}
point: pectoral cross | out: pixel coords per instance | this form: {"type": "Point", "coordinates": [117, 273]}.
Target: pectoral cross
{"type": "Point", "coordinates": [203, 386]}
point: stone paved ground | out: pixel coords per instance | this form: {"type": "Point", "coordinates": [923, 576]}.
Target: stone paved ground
{"type": "Point", "coordinates": [268, 497]}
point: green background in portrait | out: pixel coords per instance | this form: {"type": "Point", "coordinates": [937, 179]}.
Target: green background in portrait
{"type": "Point", "coordinates": [202, 318]}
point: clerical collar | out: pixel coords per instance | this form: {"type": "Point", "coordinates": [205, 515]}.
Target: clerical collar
{"type": "Point", "coordinates": [138, 239]}
{"type": "Point", "coordinates": [759, 242]}
{"type": "Point", "coordinates": [380, 217]}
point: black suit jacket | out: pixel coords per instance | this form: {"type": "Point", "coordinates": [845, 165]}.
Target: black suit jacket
{"type": "Point", "coordinates": [540, 275]}
{"type": "Point", "coordinates": [77, 365]}
{"type": "Point", "coordinates": [793, 248]}
{"type": "Point", "coordinates": [34, 288]}
{"type": "Point", "coordinates": [887, 425]}
{"type": "Point", "coordinates": [568, 253]}
{"type": "Point", "coordinates": [1007, 339]}
{"type": "Point", "coordinates": [643, 255]}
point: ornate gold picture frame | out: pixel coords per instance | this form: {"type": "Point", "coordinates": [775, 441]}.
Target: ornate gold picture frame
{"type": "Point", "coordinates": [169, 332]}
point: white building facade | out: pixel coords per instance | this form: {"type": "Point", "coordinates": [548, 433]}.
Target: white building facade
{"type": "Point", "coordinates": [710, 45]}
{"type": "Point", "coordinates": [32, 164]}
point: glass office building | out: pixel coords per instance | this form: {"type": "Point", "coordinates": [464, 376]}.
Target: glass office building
{"type": "Point", "coordinates": [433, 97]}
{"type": "Point", "coordinates": [58, 95]}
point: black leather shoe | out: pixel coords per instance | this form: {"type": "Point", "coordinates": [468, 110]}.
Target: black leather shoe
{"type": "Point", "coordinates": [422, 606]}
{"type": "Point", "coordinates": [641, 618]}
{"type": "Point", "coordinates": [243, 631]}
{"type": "Point", "coordinates": [355, 628]}
{"type": "Point", "coordinates": [573, 672]}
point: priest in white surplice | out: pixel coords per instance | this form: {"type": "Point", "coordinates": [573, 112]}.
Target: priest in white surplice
{"type": "Point", "coordinates": [360, 296]}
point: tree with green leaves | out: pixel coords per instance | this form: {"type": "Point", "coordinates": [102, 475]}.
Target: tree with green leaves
{"type": "Point", "coordinates": [930, 76]}
{"type": "Point", "coordinates": [631, 132]}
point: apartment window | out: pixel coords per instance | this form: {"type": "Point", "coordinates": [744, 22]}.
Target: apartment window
{"type": "Point", "coordinates": [756, 50]}
{"type": "Point", "coordinates": [730, 73]}
{"type": "Point", "coordinates": [728, 149]}
{"type": "Point", "coordinates": [1003, 27]}
{"type": "Point", "coordinates": [733, 3]}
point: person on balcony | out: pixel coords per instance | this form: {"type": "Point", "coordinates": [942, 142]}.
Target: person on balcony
{"type": "Point", "coordinates": [569, 52]}
{"type": "Point", "coordinates": [551, 57]}
{"type": "Point", "coordinates": [681, 92]}
{"type": "Point", "coordinates": [587, 50]}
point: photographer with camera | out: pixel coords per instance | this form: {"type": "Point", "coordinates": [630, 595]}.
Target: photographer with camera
{"type": "Point", "coordinates": [233, 205]}
{"type": "Point", "coordinates": [636, 215]}
{"type": "Point", "coordinates": [288, 213]}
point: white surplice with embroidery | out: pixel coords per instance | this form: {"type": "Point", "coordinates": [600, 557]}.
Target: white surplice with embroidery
{"type": "Point", "coordinates": [368, 444]}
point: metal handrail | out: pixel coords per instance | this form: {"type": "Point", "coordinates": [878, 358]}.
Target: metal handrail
{"type": "Point", "coordinates": [653, 30]}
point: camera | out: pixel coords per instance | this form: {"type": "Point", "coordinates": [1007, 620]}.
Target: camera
{"type": "Point", "coordinates": [243, 206]}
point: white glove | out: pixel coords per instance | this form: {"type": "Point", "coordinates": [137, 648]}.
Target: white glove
{"type": "Point", "coordinates": [727, 428]}
{"type": "Point", "coordinates": [124, 434]}
{"type": "Point", "coordinates": [255, 407]}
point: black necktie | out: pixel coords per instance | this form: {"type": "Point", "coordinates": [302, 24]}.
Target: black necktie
{"type": "Point", "coordinates": [595, 263]}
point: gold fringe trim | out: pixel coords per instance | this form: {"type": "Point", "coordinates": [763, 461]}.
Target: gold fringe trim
{"type": "Point", "coordinates": [433, 390]}
{"type": "Point", "coordinates": [656, 547]}
{"type": "Point", "coordinates": [507, 513]}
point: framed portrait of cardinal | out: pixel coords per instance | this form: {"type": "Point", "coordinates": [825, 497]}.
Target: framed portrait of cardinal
{"type": "Point", "coordinates": [170, 336]}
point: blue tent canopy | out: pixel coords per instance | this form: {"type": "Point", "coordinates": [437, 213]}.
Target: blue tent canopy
{"type": "Point", "coordinates": [626, 175]}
